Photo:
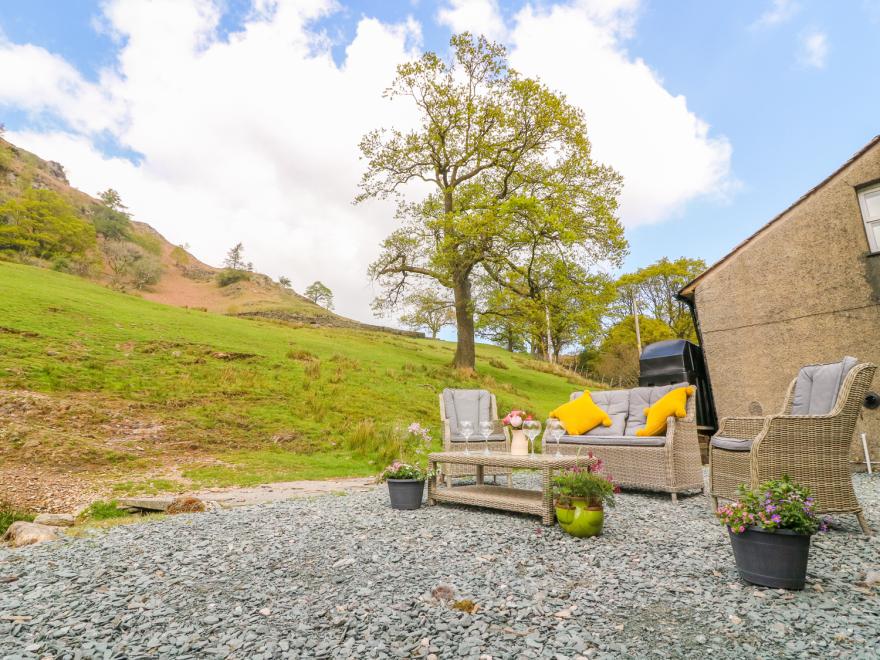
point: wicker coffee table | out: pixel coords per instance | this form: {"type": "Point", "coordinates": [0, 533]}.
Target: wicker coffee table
{"type": "Point", "coordinates": [534, 502]}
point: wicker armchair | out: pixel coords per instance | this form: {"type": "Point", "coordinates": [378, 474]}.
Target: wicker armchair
{"type": "Point", "coordinates": [475, 405]}
{"type": "Point", "coordinates": [812, 449]}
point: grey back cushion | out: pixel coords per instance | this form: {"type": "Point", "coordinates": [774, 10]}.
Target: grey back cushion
{"type": "Point", "coordinates": [473, 405]}
{"type": "Point", "coordinates": [818, 385]}
{"type": "Point", "coordinates": [616, 404]}
{"type": "Point", "coordinates": [641, 398]}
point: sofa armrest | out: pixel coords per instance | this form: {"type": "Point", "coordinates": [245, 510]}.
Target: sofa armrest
{"type": "Point", "coordinates": [744, 428]}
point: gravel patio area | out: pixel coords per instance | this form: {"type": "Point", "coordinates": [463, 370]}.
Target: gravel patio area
{"type": "Point", "coordinates": [347, 577]}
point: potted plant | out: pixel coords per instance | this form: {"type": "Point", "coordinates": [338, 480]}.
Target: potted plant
{"type": "Point", "coordinates": [406, 481]}
{"type": "Point", "coordinates": [581, 496]}
{"type": "Point", "coordinates": [770, 530]}
{"type": "Point", "coordinates": [519, 445]}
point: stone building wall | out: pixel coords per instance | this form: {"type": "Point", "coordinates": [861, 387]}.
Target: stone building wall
{"type": "Point", "coordinates": [804, 290]}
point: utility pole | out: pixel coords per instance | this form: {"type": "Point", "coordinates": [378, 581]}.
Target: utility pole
{"type": "Point", "coordinates": [635, 306]}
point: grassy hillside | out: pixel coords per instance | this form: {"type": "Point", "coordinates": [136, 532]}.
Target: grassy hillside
{"type": "Point", "coordinates": [103, 388]}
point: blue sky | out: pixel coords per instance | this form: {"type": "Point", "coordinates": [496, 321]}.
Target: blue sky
{"type": "Point", "coordinates": [787, 89]}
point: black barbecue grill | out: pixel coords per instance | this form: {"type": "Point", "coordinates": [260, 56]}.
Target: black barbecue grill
{"type": "Point", "coordinates": [674, 361]}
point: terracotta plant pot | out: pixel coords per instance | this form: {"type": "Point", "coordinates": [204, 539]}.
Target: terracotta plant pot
{"type": "Point", "coordinates": [579, 519]}
{"type": "Point", "coordinates": [776, 559]}
{"type": "Point", "coordinates": [406, 494]}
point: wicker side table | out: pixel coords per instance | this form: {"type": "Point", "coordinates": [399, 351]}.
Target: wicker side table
{"type": "Point", "coordinates": [533, 502]}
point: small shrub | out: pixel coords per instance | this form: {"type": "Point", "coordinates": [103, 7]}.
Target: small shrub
{"type": "Point", "coordinates": [498, 364]}
{"type": "Point", "coordinates": [229, 276]}
{"type": "Point", "coordinates": [10, 514]}
{"type": "Point", "coordinates": [304, 356]}
{"type": "Point", "coordinates": [313, 369]}
{"type": "Point", "coordinates": [101, 510]}
{"type": "Point", "coordinates": [148, 242]}
{"type": "Point", "coordinates": [186, 505]}
{"type": "Point", "coordinates": [145, 272]}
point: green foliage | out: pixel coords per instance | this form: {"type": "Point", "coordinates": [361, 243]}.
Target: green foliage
{"type": "Point", "coordinates": [512, 180]}
{"type": "Point", "coordinates": [653, 289]}
{"type": "Point", "coordinates": [111, 224]}
{"type": "Point", "coordinates": [585, 483]}
{"type": "Point", "coordinates": [10, 514]}
{"type": "Point", "coordinates": [229, 276]}
{"type": "Point", "coordinates": [147, 241]}
{"type": "Point", "coordinates": [234, 258]}
{"type": "Point", "coordinates": [285, 282]}
{"type": "Point", "coordinates": [158, 364]}
{"type": "Point", "coordinates": [43, 224]}
{"type": "Point", "coordinates": [428, 310]}
{"type": "Point", "coordinates": [180, 256]}
{"type": "Point", "coordinates": [131, 265]}
{"type": "Point", "coordinates": [101, 510]}
{"type": "Point", "coordinates": [112, 200]}
{"type": "Point", "coordinates": [5, 158]}
{"type": "Point", "coordinates": [398, 470]}
{"type": "Point", "coordinates": [775, 504]}
{"type": "Point", "coordinates": [319, 294]}
{"type": "Point", "coordinates": [618, 355]}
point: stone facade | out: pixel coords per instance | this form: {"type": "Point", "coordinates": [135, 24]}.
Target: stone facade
{"type": "Point", "coordinates": [804, 289]}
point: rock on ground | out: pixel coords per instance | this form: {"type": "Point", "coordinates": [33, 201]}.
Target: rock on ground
{"type": "Point", "coordinates": [21, 533]}
{"type": "Point", "coordinates": [348, 577]}
{"type": "Point", "coordinates": [55, 519]}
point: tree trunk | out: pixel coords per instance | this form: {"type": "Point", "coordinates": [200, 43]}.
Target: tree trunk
{"type": "Point", "coordinates": [549, 348]}
{"type": "Point", "coordinates": [465, 350]}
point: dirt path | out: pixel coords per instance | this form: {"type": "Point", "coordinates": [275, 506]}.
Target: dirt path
{"type": "Point", "coordinates": [284, 490]}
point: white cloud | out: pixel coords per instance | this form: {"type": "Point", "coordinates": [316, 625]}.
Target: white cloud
{"type": "Point", "coordinates": [663, 150]}
{"type": "Point", "coordinates": [477, 16]}
{"type": "Point", "coordinates": [253, 136]}
{"type": "Point", "coordinates": [813, 49]}
{"type": "Point", "coordinates": [780, 11]}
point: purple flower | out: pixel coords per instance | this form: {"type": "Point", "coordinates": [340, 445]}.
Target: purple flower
{"type": "Point", "coordinates": [770, 508]}
{"type": "Point", "coordinates": [776, 518]}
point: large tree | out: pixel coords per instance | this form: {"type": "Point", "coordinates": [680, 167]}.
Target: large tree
{"type": "Point", "coordinates": [320, 294]}
{"type": "Point", "coordinates": [499, 152]}
{"type": "Point", "coordinates": [651, 291]}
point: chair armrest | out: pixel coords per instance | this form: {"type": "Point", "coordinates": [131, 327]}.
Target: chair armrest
{"type": "Point", "coordinates": [447, 435]}
{"type": "Point", "coordinates": [743, 428]}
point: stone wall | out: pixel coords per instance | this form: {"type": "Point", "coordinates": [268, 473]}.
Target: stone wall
{"type": "Point", "coordinates": [805, 290]}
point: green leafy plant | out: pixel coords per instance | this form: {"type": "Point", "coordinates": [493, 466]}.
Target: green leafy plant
{"type": "Point", "coordinates": [775, 504]}
{"type": "Point", "coordinates": [229, 276]}
{"type": "Point", "coordinates": [10, 514]}
{"type": "Point", "coordinates": [587, 483]}
{"type": "Point", "coordinates": [101, 510]}
{"type": "Point", "coordinates": [398, 470]}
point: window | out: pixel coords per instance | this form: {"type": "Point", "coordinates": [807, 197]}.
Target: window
{"type": "Point", "coordinates": [869, 199]}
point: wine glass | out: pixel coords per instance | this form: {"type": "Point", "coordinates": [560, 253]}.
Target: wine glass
{"type": "Point", "coordinates": [486, 428]}
{"type": "Point", "coordinates": [466, 428]}
{"type": "Point", "coordinates": [555, 430]}
{"type": "Point", "coordinates": [532, 429]}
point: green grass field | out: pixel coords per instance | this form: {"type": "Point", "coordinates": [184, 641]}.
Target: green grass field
{"type": "Point", "coordinates": [134, 386]}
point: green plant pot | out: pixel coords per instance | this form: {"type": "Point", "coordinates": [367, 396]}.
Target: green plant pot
{"type": "Point", "coordinates": [581, 520]}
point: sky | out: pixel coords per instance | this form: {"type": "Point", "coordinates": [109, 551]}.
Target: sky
{"type": "Point", "coordinates": [221, 121]}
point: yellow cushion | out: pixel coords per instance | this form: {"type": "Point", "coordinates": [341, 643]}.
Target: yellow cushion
{"type": "Point", "coordinates": [672, 403]}
{"type": "Point", "coordinates": [581, 415]}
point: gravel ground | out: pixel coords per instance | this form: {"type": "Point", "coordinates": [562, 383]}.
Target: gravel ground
{"type": "Point", "coordinates": [347, 577]}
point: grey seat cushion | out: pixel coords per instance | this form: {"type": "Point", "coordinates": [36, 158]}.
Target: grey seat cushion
{"type": "Point", "coordinates": [641, 398]}
{"type": "Point", "coordinates": [473, 405]}
{"type": "Point", "coordinates": [818, 385]}
{"type": "Point", "coordinates": [615, 403]}
{"type": "Point", "coordinates": [495, 437]}
{"type": "Point", "coordinates": [615, 440]}
{"type": "Point", "coordinates": [731, 444]}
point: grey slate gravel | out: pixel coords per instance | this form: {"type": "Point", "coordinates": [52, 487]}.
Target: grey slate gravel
{"type": "Point", "coordinates": [347, 577]}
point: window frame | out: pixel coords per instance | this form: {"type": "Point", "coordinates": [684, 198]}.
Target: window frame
{"type": "Point", "coordinates": [867, 222]}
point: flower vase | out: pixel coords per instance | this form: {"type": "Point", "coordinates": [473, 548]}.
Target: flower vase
{"type": "Point", "coordinates": [519, 443]}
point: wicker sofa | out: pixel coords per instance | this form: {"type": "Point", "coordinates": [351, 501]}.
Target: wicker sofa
{"type": "Point", "coordinates": [669, 463]}
{"type": "Point", "coordinates": [476, 406]}
{"type": "Point", "coordinates": [809, 440]}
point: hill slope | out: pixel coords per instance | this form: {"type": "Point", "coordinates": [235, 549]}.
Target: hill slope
{"type": "Point", "coordinates": [183, 280]}
{"type": "Point", "coordinates": [104, 389]}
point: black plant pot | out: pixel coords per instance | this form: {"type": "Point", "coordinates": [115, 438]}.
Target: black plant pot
{"type": "Point", "coordinates": [406, 493]}
{"type": "Point", "coordinates": [775, 559]}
